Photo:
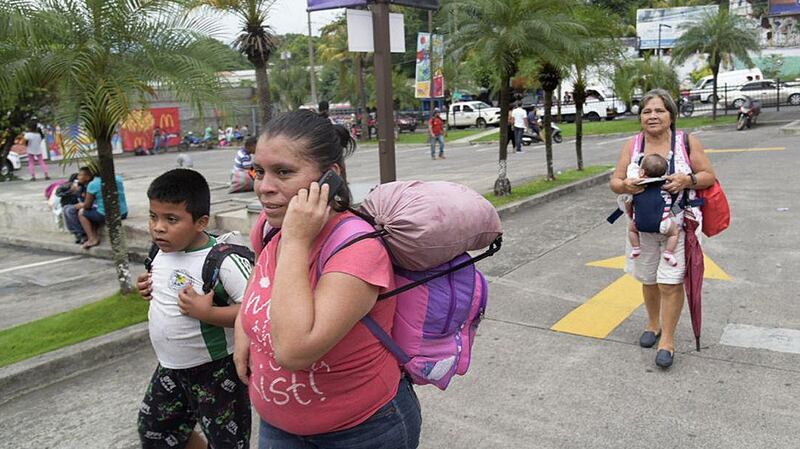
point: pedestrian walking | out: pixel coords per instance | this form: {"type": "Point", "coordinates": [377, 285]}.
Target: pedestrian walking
{"type": "Point", "coordinates": [33, 139]}
{"type": "Point", "coordinates": [436, 130]}
{"type": "Point", "coordinates": [690, 170]}
{"type": "Point", "coordinates": [520, 123]}
{"type": "Point", "coordinates": [299, 323]}
{"type": "Point", "coordinates": [195, 382]}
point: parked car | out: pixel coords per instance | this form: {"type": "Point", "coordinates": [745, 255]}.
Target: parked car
{"type": "Point", "coordinates": [766, 92]}
{"type": "Point", "coordinates": [472, 113]}
{"type": "Point", "coordinates": [11, 164]}
{"type": "Point", "coordinates": [703, 90]}
{"type": "Point", "coordinates": [406, 123]}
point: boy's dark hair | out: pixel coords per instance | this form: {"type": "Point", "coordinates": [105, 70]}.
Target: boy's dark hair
{"type": "Point", "coordinates": [251, 142]}
{"type": "Point", "coordinates": [654, 166]}
{"type": "Point", "coordinates": [87, 170]}
{"type": "Point", "coordinates": [182, 186]}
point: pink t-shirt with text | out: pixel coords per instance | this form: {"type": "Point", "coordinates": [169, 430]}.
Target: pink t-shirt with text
{"type": "Point", "coordinates": [349, 383]}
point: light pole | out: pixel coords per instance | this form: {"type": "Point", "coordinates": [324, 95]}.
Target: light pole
{"type": "Point", "coordinates": [660, 25]}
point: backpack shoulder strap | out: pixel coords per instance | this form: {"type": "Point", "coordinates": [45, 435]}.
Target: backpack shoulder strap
{"type": "Point", "coordinates": [347, 232]}
{"type": "Point", "coordinates": [637, 147]}
{"type": "Point", "coordinates": [151, 255]}
{"type": "Point", "coordinates": [214, 259]}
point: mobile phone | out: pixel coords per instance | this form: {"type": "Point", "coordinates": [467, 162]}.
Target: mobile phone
{"type": "Point", "coordinates": [334, 182]}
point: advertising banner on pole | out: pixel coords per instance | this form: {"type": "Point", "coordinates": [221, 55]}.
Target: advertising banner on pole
{"type": "Point", "coordinates": [784, 7]}
{"type": "Point", "coordinates": [137, 130]}
{"type": "Point", "coordinates": [669, 21]}
{"type": "Point", "coordinates": [430, 66]}
{"type": "Point", "coordinates": [319, 5]}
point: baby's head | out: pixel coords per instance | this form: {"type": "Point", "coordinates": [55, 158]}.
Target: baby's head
{"type": "Point", "coordinates": [180, 202]}
{"type": "Point", "coordinates": [654, 166]}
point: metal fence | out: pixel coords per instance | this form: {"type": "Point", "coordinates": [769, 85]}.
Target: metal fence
{"type": "Point", "coordinates": [771, 94]}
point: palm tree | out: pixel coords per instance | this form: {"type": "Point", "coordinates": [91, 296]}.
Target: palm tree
{"type": "Point", "coordinates": [550, 79]}
{"type": "Point", "coordinates": [108, 58]}
{"type": "Point", "coordinates": [256, 41]}
{"type": "Point", "coordinates": [503, 32]}
{"type": "Point", "coordinates": [721, 35]}
{"type": "Point", "coordinates": [598, 47]}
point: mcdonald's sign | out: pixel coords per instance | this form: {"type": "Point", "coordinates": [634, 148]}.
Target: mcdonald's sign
{"type": "Point", "coordinates": [139, 128]}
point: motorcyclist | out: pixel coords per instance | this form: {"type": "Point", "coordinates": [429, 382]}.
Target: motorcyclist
{"type": "Point", "coordinates": [533, 123]}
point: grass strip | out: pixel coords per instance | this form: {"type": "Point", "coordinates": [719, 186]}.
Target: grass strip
{"type": "Point", "coordinates": [542, 184]}
{"type": "Point", "coordinates": [91, 320]}
{"type": "Point", "coordinates": [624, 126]}
{"type": "Point", "coordinates": [423, 138]}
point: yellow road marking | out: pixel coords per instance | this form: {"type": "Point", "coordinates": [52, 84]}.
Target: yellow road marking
{"type": "Point", "coordinates": [744, 150]}
{"type": "Point", "coordinates": [602, 313]}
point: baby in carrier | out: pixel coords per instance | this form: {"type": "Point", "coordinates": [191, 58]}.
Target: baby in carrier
{"type": "Point", "coordinates": [650, 210]}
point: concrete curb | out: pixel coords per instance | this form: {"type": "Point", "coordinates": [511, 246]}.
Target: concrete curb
{"type": "Point", "coordinates": [54, 366]}
{"type": "Point", "coordinates": [792, 129]}
{"type": "Point", "coordinates": [550, 195]}
{"type": "Point", "coordinates": [46, 369]}
{"type": "Point", "coordinates": [102, 251]}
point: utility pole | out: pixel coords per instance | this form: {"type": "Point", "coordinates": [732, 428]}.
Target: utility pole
{"type": "Point", "coordinates": [430, 43]}
{"type": "Point", "coordinates": [312, 69]}
{"type": "Point", "coordinates": [383, 86]}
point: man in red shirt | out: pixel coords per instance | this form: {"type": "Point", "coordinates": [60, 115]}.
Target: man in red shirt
{"type": "Point", "coordinates": [436, 129]}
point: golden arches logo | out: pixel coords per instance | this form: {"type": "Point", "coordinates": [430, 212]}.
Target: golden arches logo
{"type": "Point", "coordinates": [166, 121]}
{"type": "Point", "coordinates": [139, 121]}
{"type": "Point", "coordinates": [138, 142]}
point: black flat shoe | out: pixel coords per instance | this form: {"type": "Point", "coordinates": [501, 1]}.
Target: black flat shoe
{"type": "Point", "coordinates": [664, 358]}
{"type": "Point", "coordinates": [649, 339]}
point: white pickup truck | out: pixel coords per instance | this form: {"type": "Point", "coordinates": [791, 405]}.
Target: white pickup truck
{"type": "Point", "coordinates": [596, 108]}
{"type": "Point", "coordinates": [472, 113]}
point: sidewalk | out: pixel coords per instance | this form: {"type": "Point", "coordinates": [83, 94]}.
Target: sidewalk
{"type": "Point", "coordinates": [51, 367]}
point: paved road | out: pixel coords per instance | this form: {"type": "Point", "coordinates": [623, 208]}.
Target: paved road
{"type": "Point", "coordinates": [36, 283]}
{"type": "Point", "coordinates": [532, 387]}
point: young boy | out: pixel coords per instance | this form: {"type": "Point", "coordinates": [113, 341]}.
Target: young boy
{"type": "Point", "coordinates": [654, 166]}
{"type": "Point", "coordinates": [195, 381]}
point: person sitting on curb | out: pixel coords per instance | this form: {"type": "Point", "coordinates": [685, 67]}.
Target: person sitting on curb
{"type": "Point", "coordinates": [93, 212]}
{"type": "Point", "coordinates": [78, 189]}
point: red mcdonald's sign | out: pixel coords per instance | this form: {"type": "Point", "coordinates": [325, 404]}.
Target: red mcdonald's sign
{"type": "Point", "coordinates": [138, 129]}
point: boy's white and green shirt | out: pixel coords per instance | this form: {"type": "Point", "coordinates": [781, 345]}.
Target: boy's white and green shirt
{"type": "Point", "coordinates": [181, 341]}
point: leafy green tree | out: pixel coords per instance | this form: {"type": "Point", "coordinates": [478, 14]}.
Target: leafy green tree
{"type": "Point", "coordinates": [290, 86]}
{"type": "Point", "coordinates": [503, 32]}
{"type": "Point", "coordinates": [597, 47]}
{"type": "Point", "coordinates": [256, 41]}
{"type": "Point", "coordinates": [720, 35]}
{"type": "Point", "coordinates": [107, 56]}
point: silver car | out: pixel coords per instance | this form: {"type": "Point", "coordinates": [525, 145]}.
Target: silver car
{"type": "Point", "coordinates": [765, 91]}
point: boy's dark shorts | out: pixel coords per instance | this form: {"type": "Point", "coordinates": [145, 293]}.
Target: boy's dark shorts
{"type": "Point", "coordinates": [210, 395]}
{"type": "Point", "coordinates": [97, 218]}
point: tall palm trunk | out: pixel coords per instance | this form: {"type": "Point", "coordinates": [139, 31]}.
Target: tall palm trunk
{"type": "Point", "coordinates": [262, 86]}
{"type": "Point", "coordinates": [362, 94]}
{"type": "Point", "coordinates": [580, 98]}
{"type": "Point", "coordinates": [113, 220]}
{"type": "Point", "coordinates": [548, 133]}
{"type": "Point", "coordinates": [715, 71]}
{"type": "Point", "coordinates": [558, 104]}
{"type": "Point", "coordinates": [502, 186]}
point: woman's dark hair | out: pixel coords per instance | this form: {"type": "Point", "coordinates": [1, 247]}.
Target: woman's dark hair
{"type": "Point", "coordinates": [182, 186]}
{"type": "Point", "coordinates": [325, 144]}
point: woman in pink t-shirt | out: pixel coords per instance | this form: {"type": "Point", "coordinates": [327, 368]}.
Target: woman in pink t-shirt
{"type": "Point", "coordinates": [317, 377]}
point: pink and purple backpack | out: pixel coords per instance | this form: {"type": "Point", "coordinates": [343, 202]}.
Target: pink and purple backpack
{"type": "Point", "coordinates": [439, 307]}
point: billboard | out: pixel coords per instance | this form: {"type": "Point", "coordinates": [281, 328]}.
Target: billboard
{"type": "Point", "coordinates": [669, 21]}
{"type": "Point", "coordinates": [319, 5]}
{"type": "Point", "coordinates": [137, 130]}
{"type": "Point", "coordinates": [784, 7]}
{"type": "Point", "coordinates": [430, 66]}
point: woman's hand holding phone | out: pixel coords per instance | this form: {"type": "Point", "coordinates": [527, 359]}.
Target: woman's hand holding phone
{"type": "Point", "coordinates": [307, 213]}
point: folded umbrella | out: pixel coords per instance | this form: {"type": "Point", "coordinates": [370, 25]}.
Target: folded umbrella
{"type": "Point", "coordinates": [693, 281]}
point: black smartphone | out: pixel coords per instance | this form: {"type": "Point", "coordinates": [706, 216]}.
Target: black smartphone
{"type": "Point", "coordinates": [334, 182]}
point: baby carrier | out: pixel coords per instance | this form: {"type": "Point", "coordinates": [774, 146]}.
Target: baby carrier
{"type": "Point", "coordinates": [426, 227]}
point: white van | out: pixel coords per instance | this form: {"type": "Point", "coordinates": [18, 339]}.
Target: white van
{"type": "Point", "coordinates": [704, 89]}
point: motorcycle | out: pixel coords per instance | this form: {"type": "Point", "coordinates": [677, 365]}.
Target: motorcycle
{"type": "Point", "coordinates": [530, 137]}
{"type": "Point", "coordinates": [748, 114]}
{"type": "Point", "coordinates": [191, 141]}
{"type": "Point", "coordinates": [685, 106]}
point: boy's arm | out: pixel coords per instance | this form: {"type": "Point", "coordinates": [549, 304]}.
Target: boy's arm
{"type": "Point", "coordinates": [233, 275]}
